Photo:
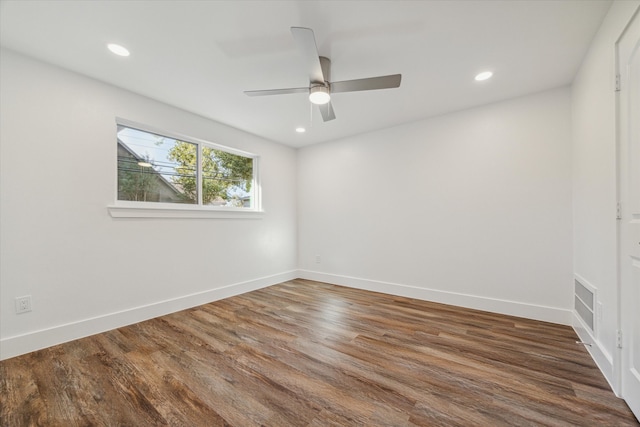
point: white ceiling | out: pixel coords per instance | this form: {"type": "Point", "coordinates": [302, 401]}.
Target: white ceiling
{"type": "Point", "coordinates": [202, 55]}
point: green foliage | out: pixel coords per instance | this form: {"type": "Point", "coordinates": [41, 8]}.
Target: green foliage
{"type": "Point", "coordinates": [222, 172]}
{"type": "Point", "coordinates": [135, 182]}
{"type": "Point", "coordinates": [237, 168]}
{"type": "Point", "coordinates": [185, 154]}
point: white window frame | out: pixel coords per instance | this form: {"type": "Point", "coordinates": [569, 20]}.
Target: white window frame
{"type": "Point", "coordinates": [134, 209]}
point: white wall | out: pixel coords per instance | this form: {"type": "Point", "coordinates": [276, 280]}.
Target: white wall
{"type": "Point", "coordinates": [86, 271]}
{"type": "Point", "coordinates": [594, 182]}
{"type": "Point", "coordinates": [471, 208]}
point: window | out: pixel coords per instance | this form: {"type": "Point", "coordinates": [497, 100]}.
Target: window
{"type": "Point", "coordinates": [157, 169]}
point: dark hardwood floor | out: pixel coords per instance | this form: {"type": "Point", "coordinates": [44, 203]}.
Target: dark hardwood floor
{"type": "Point", "coordinates": [305, 353]}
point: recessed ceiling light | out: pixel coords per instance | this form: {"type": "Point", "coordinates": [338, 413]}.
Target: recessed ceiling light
{"type": "Point", "coordinates": [144, 164]}
{"type": "Point", "coordinates": [484, 76]}
{"type": "Point", "coordinates": [118, 50]}
{"type": "Point", "coordinates": [301, 130]}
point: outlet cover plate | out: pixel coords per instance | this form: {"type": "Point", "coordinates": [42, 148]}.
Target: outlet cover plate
{"type": "Point", "coordinates": [23, 304]}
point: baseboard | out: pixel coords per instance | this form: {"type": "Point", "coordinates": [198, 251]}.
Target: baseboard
{"type": "Point", "coordinates": [601, 357]}
{"type": "Point", "coordinates": [36, 340]}
{"type": "Point", "coordinates": [512, 308]}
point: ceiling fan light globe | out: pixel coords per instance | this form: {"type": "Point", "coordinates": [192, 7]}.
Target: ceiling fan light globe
{"type": "Point", "coordinates": [319, 95]}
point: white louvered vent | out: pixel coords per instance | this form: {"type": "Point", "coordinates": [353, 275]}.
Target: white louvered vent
{"type": "Point", "coordinates": [584, 303]}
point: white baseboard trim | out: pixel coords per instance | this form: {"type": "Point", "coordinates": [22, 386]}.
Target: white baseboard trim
{"type": "Point", "coordinates": [511, 308]}
{"type": "Point", "coordinates": [602, 358]}
{"type": "Point", "coordinates": [36, 340]}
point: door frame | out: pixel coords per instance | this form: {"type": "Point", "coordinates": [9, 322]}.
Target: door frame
{"type": "Point", "coordinates": [618, 356]}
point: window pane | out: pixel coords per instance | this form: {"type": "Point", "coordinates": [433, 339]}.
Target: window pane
{"type": "Point", "coordinates": [226, 179]}
{"type": "Point", "coordinates": [154, 168]}
{"type": "Point", "coordinates": [157, 168]}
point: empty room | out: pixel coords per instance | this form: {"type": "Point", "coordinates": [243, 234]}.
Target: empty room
{"type": "Point", "coordinates": [319, 213]}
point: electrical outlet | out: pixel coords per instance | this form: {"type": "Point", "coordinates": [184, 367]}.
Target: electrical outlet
{"type": "Point", "coordinates": [317, 259]}
{"type": "Point", "coordinates": [23, 304]}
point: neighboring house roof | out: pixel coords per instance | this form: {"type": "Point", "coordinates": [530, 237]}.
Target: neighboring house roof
{"type": "Point", "coordinates": [165, 183]}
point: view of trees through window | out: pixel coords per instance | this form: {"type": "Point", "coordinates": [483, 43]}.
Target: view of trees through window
{"type": "Point", "coordinates": [156, 168]}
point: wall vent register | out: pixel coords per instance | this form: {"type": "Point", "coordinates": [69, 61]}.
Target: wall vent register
{"type": "Point", "coordinates": [584, 303]}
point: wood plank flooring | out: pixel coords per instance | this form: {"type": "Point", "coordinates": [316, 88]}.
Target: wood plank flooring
{"type": "Point", "coordinates": [304, 353]}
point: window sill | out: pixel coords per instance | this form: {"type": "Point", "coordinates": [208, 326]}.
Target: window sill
{"type": "Point", "coordinates": [195, 212]}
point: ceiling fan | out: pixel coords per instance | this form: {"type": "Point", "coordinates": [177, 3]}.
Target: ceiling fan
{"type": "Point", "coordinates": [319, 67]}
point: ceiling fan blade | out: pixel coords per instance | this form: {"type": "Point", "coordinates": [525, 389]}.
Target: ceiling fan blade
{"type": "Point", "coordinates": [306, 42]}
{"type": "Point", "coordinates": [276, 91]}
{"type": "Point", "coordinates": [372, 83]}
{"type": "Point", "coordinates": [326, 110]}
